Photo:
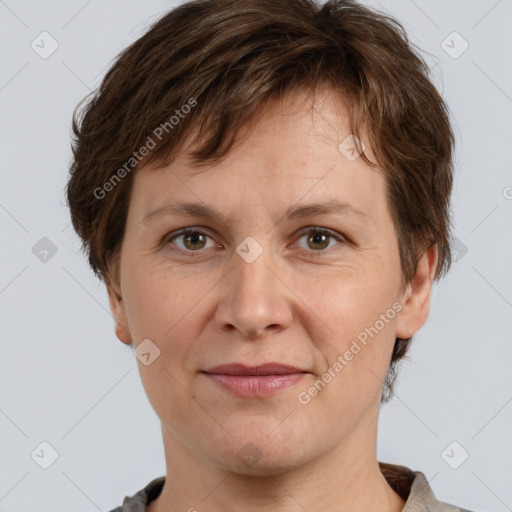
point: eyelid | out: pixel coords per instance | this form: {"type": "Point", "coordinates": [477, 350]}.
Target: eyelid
{"type": "Point", "coordinates": [167, 239]}
{"type": "Point", "coordinates": [330, 232]}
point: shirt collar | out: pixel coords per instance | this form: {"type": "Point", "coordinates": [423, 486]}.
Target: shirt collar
{"type": "Point", "coordinates": [412, 486]}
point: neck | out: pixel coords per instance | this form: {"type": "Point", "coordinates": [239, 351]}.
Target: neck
{"type": "Point", "coordinates": [345, 479]}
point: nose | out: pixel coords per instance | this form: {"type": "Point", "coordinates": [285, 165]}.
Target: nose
{"type": "Point", "coordinates": [254, 299]}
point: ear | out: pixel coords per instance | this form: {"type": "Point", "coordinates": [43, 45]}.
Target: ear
{"type": "Point", "coordinates": [416, 299]}
{"type": "Point", "coordinates": [118, 311]}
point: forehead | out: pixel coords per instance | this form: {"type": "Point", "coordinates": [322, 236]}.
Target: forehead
{"type": "Point", "coordinates": [295, 151]}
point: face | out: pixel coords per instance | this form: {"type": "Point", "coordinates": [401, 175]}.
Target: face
{"type": "Point", "coordinates": [267, 281]}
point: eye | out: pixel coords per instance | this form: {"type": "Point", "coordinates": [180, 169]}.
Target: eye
{"type": "Point", "coordinates": [318, 239]}
{"type": "Point", "coordinates": [193, 240]}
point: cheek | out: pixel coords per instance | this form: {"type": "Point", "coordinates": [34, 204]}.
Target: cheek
{"type": "Point", "coordinates": [347, 304]}
{"type": "Point", "coordinates": [163, 307]}
{"type": "Point", "coordinates": [161, 303]}
{"type": "Point", "coordinates": [360, 316]}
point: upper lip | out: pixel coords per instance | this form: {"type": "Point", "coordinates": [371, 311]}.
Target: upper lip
{"type": "Point", "coordinates": [263, 369]}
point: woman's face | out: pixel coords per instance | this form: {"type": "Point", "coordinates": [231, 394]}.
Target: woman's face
{"type": "Point", "coordinates": [256, 284]}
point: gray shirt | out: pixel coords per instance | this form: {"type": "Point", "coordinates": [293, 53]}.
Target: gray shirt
{"type": "Point", "coordinates": [412, 486]}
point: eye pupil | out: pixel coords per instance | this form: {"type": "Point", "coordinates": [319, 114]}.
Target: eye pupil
{"type": "Point", "coordinates": [194, 236]}
{"type": "Point", "coordinates": [319, 238]}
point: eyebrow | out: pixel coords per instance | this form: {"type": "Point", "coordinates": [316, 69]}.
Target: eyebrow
{"type": "Point", "coordinates": [198, 210]}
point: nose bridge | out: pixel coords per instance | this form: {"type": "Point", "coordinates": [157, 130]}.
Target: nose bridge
{"type": "Point", "coordinates": [253, 299]}
{"type": "Point", "coordinates": [251, 265]}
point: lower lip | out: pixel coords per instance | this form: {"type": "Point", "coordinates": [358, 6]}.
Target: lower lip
{"type": "Point", "coordinates": [255, 385]}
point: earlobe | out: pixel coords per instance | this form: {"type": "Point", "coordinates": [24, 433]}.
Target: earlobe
{"type": "Point", "coordinates": [122, 334]}
{"type": "Point", "coordinates": [118, 311]}
{"type": "Point", "coordinates": [416, 299]}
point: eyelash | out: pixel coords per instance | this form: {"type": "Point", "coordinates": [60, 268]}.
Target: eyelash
{"type": "Point", "coordinates": [319, 231]}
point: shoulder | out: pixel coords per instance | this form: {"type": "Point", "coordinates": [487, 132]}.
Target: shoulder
{"type": "Point", "coordinates": [415, 489]}
{"type": "Point", "coordinates": [138, 502]}
{"type": "Point", "coordinates": [422, 495]}
{"type": "Point", "coordinates": [446, 507]}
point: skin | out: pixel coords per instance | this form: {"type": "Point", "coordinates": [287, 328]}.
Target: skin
{"type": "Point", "coordinates": [300, 303]}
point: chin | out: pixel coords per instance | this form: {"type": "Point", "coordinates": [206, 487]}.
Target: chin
{"type": "Point", "coordinates": [257, 463]}
{"type": "Point", "coordinates": [259, 455]}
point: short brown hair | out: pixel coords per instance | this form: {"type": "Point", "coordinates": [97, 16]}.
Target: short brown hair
{"type": "Point", "coordinates": [229, 57]}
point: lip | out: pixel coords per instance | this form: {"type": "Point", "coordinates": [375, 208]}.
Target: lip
{"type": "Point", "coordinates": [262, 380]}
{"type": "Point", "coordinates": [262, 369]}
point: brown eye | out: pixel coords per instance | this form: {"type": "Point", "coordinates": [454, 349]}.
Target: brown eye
{"type": "Point", "coordinates": [194, 240]}
{"type": "Point", "coordinates": [191, 240]}
{"type": "Point", "coordinates": [320, 239]}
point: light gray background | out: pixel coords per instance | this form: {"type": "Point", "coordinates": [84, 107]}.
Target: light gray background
{"type": "Point", "coordinates": [67, 380]}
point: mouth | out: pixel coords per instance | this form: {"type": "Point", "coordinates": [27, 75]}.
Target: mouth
{"type": "Point", "coordinates": [254, 381]}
